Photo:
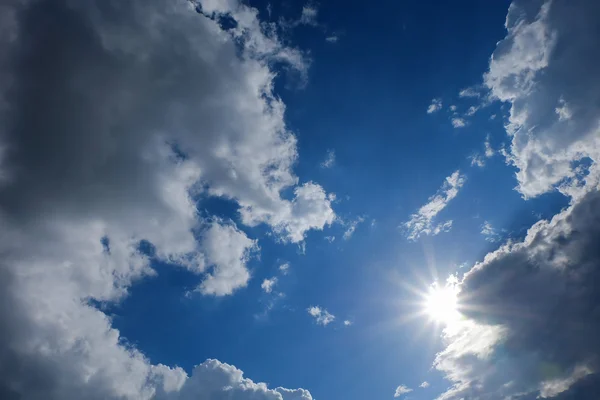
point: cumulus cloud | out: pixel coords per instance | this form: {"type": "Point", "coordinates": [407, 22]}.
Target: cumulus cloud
{"type": "Point", "coordinates": [309, 15]}
{"type": "Point", "coordinates": [424, 384]}
{"type": "Point", "coordinates": [115, 118]}
{"type": "Point", "coordinates": [489, 151]}
{"type": "Point", "coordinates": [421, 223]}
{"type": "Point", "coordinates": [435, 106]}
{"type": "Point", "coordinates": [329, 159]}
{"type": "Point", "coordinates": [531, 311]}
{"type": "Point", "coordinates": [545, 68]}
{"type": "Point", "coordinates": [321, 315]}
{"type": "Point", "coordinates": [477, 160]}
{"type": "Point", "coordinates": [402, 389]}
{"type": "Point", "coordinates": [284, 268]}
{"type": "Point", "coordinates": [347, 322]}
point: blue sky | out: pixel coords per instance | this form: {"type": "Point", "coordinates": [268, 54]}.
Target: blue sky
{"type": "Point", "coordinates": [190, 191]}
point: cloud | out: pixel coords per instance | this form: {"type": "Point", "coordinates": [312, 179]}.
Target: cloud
{"type": "Point", "coordinates": [284, 268]}
{"type": "Point", "coordinates": [489, 151]}
{"type": "Point", "coordinates": [542, 68]}
{"type": "Point", "coordinates": [330, 239]}
{"type": "Point", "coordinates": [402, 389]}
{"type": "Point", "coordinates": [352, 227]}
{"type": "Point", "coordinates": [452, 108]}
{"type": "Point", "coordinates": [332, 39]}
{"type": "Point", "coordinates": [472, 110]}
{"type": "Point", "coordinates": [347, 322]}
{"type": "Point", "coordinates": [159, 106]}
{"type": "Point", "coordinates": [487, 230]}
{"type": "Point", "coordinates": [458, 122]}
{"type": "Point", "coordinates": [268, 284]}
{"type": "Point", "coordinates": [329, 160]}
{"type": "Point", "coordinates": [424, 384]}
{"type": "Point", "coordinates": [321, 315]}
{"type": "Point", "coordinates": [309, 15]}
{"type": "Point", "coordinates": [227, 249]}
{"type": "Point", "coordinates": [469, 92]}
{"type": "Point", "coordinates": [435, 106]}
{"type": "Point", "coordinates": [477, 160]}
{"type": "Point", "coordinates": [421, 223]}
{"type": "Point", "coordinates": [531, 310]}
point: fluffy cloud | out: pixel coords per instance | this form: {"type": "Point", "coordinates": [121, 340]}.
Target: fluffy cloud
{"type": "Point", "coordinates": [321, 315]}
{"type": "Point", "coordinates": [402, 389]}
{"type": "Point", "coordinates": [115, 118]}
{"type": "Point", "coordinates": [532, 310]}
{"type": "Point", "coordinates": [546, 69]}
{"type": "Point", "coordinates": [421, 223]}
{"type": "Point", "coordinates": [435, 106]}
{"type": "Point", "coordinates": [424, 384]}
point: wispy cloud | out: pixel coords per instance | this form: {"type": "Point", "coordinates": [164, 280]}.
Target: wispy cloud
{"type": "Point", "coordinates": [402, 389]}
{"type": "Point", "coordinates": [268, 284]}
{"type": "Point", "coordinates": [490, 233]}
{"type": "Point", "coordinates": [421, 223]}
{"type": "Point", "coordinates": [459, 122]}
{"type": "Point", "coordinates": [321, 315]}
{"type": "Point", "coordinates": [352, 227]}
{"type": "Point", "coordinates": [435, 106]}
{"type": "Point", "coordinates": [329, 159]}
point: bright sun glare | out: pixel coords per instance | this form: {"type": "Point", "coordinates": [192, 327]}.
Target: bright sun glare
{"type": "Point", "coordinates": [441, 304]}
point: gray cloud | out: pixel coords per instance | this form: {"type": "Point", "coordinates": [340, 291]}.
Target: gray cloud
{"type": "Point", "coordinates": [114, 118]}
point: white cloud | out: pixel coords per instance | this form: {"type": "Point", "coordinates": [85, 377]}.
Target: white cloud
{"type": "Point", "coordinates": [487, 230]}
{"type": "Point", "coordinates": [268, 284]}
{"type": "Point", "coordinates": [477, 160]}
{"type": "Point", "coordinates": [469, 92]}
{"type": "Point", "coordinates": [101, 166]}
{"type": "Point", "coordinates": [489, 151]}
{"type": "Point", "coordinates": [284, 268]}
{"type": "Point", "coordinates": [458, 122]}
{"type": "Point", "coordinates": [402, 389]}
{"type": "Point", "coordinates": [421, 223]}
{"type": "Point", "coordinates": [347, 322]}
{"type": "Point", "coordinates": [309, 15]}
{"type": "Point", "coordinates": [424, 384]}
{"type": "Point", "coordinates": [472, 110]}
{"type": "Point", "coordinates": [435, 106]}
{"type": "Point", "coordinates": [452, 108]}
{"type": "Point", "coordinates": [329, 160]}
{"type": "Point", "coordinates": [352, 227]}
{"type": "Point", "coordinates": [321, 315]}
{"type": "Point", "coordinates": [332, 39]}
{"type": "Point", "coordinates": [330, 239]}
{"type": "Point", "coordinates": [542, 70]}
{"type": "Point", "coordinates": [227, 249]}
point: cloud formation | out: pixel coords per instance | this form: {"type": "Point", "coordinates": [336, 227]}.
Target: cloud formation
{"type": "Point", "coordinates": [329, 159]}
{"type": "Point", "coordinates": [402, 389]}
{"type": "Point", "coordinates": [435, 106]}
{"type": "Point", "coordinates": [321, 315]}
{"type": "Point", "coordinates": [115, 119]}
{"type": "Point", "coordinates": [532, 310]}
{"type": "Point", "coordinates": [545, 68]}
{"type": "Point", "coordinates": [421, 223]}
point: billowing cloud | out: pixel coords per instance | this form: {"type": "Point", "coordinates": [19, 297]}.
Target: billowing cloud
{"type": "Point", "coordinates": [115, 118]}
{"type": "Point", "coordinates": [402, 389]}
{"type": "Point", "coordinates": [321, 315]}
{"type": "Point", "coordinates": [546, 69]}
{"type": "Point", "coordinates": [532, 311]}
{"type": "Point", "coordinates": [435, 106]}
{"type": "Point", "coordinates": [421, 223]}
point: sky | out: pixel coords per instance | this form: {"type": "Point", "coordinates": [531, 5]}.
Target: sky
{"type": "Point", "coordinates": [259, 200]}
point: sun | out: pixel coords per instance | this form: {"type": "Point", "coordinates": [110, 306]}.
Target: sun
{"type": "Point", "coordinates": [441, 304]}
